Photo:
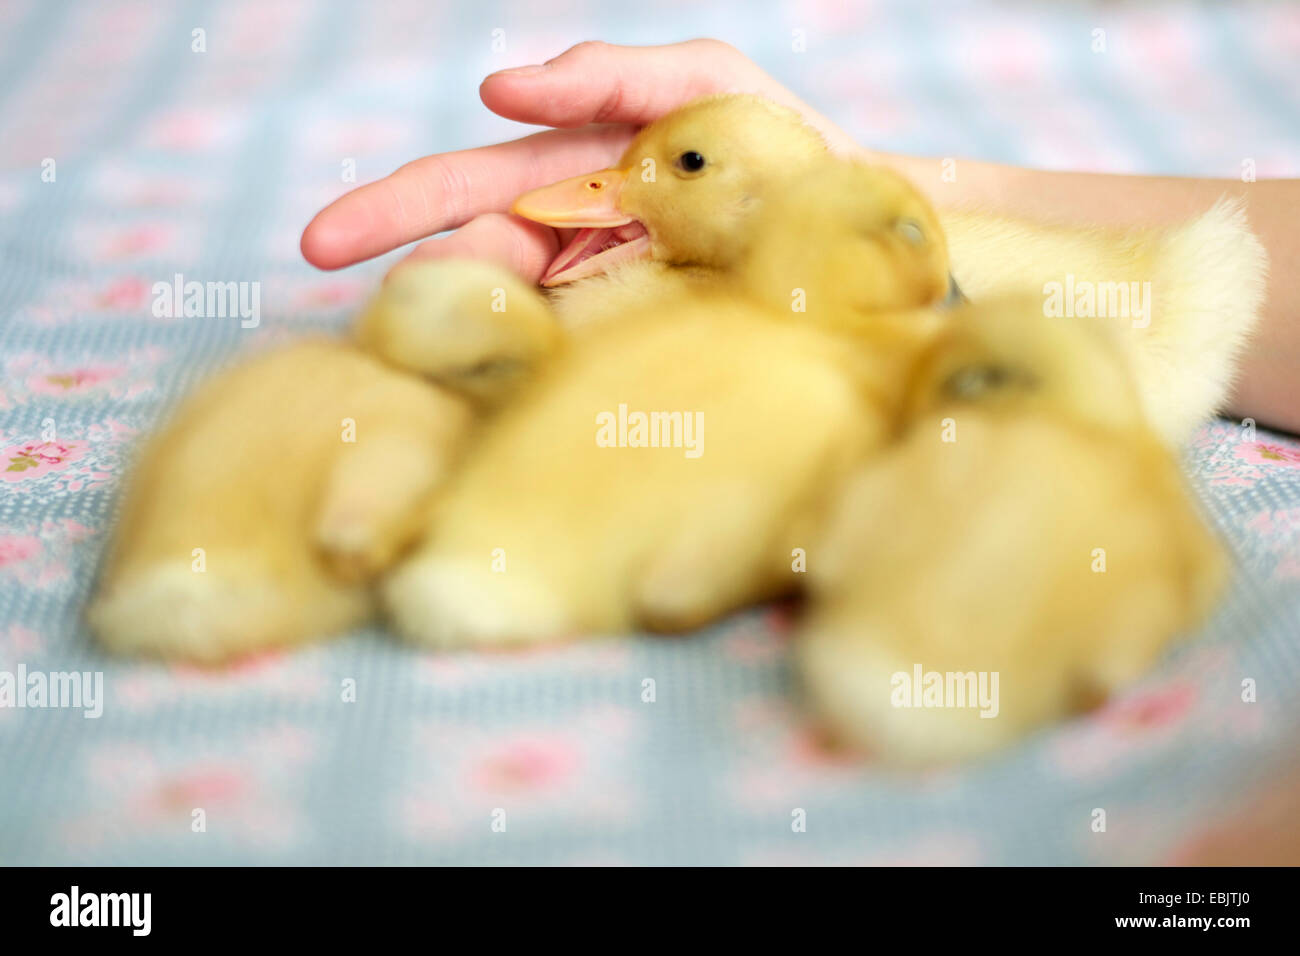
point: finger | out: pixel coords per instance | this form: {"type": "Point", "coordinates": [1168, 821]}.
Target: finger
{"type": "Point", "coordinates": [602, 83]}
{"type": "Point", "coordinates": [523, 247]}
{"type": "Point", "coordinates": [447, 190]}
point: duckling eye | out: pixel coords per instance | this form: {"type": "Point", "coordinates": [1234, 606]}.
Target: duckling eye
{"type": "Point", "coordinates": [976, 381]}
{"type": "Point", "coordinates": [690, 161]}
{"type": "Point", "coordinates": [910, 230]}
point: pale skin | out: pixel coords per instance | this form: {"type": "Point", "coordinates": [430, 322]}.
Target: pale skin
{"type": "Point", "coordinates": [596, 96]}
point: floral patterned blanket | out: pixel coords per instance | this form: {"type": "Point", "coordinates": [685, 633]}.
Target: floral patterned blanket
{"type": "Point", "coordinates": [130, 157]}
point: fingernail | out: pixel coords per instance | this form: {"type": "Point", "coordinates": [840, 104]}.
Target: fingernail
{"type": "Point", "coordinates": [522, 70]}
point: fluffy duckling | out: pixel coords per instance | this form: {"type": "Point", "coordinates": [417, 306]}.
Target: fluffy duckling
{"type": "Point", "coordinates": [1184, 298]}
{"type": "Point", "coordinates": [673, 216]}
{"type": "Point", "coordinates": [472, 326]}
{"type": "Point", "coordinates": [844, 245]}
{"type": "Point", "coordinates": [667, 467]}
{"type": "Point", "coordinates": [684, 193]}
{"type": "Point", "coordinates": [257, 516]}
{"type": "Point", "coordinates": [1028, 539]}
{"type": "Point", "coordinates": [658, 473]}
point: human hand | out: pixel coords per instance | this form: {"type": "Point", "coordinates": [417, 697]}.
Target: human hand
{"type": "Point", "coordinates": [596, 95]}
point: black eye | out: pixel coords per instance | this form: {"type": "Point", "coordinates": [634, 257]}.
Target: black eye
{"type": "Point", "coordinates": [690, 161]}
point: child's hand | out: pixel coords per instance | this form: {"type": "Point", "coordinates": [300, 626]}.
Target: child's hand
{"type": "Point", "coordinates": [597, 94]}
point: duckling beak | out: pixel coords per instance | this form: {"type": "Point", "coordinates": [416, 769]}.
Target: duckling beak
{"type": "Point", "coordinates": [583, 202]}
{"type": "Point", "coordinates": [589, 203]}
{"type": "Point", "coordinates": [955, 296]}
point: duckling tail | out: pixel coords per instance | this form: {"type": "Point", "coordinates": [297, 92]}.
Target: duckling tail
{"type": "Point", "coordinates": [1183, 300]}
{"type": "Point", "coordinates": [1208, 279]}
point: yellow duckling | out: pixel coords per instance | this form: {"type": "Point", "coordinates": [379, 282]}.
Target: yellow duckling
{"type": "Point", "coordinates": [673, 216]}
{"type": "Point", "coordinates": [278, 558]}
{"type": "Point", "coordinates": [473, 326]}
{"type": "Point", "coordinates": [683, 195]}
{"type": "Point", "coordinates": [1025, 547]}
{"type": "Point", "coordinates": [1184, 298]}
{"type": "Point", "coordinates": [257, 516]}
{"type": "Point", "coordinates": [843, 246]}
{"type": "Point", "coordinates": [665, 468]}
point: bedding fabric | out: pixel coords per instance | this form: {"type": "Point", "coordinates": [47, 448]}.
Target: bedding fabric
{"type": "Point", "coordinates": [130, 157]}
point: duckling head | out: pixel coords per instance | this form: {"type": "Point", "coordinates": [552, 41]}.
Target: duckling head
{"type": "Point", "coordinates": [844, 240]}
{"type": "Point", "coordinates": [1005, 358]}
{"type": "Point", "coordinates": [684, 192]}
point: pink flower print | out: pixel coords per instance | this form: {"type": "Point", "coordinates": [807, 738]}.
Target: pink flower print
{"type": "Point", "coordinates": [1124, 730]}
{"type": "Point", "coordinates": [72, 381]}
{"type": "Point", "coordinates": [194, 131]}
{"type": "Point", "coordinates": [196, 788]}
{"type": "Point", "coordinates": [1288, 569]}
{"type": "Point", "coordinates": [127, 294]}
{"type": "Point", "coordinates": [528, 763]}
{"type": "Point", "coordinates": [33, 459]}
{"type": "Point", "coordinates": [252, 662]}
{"type": "Point", "coordinates": [137, 241]}
{"type": "Point", "coordinates": [329, 294]}
{"type": "Point", "coordinates": [1265, 453]}
{"type": "Point", "coordinates": [19, 640]}
{"type": "Point", "coordinates": [1143, 712]}
{"type": "Point", "coordinates": [15, 549]}
{"type": "Point", "coordinates": [813, 747]}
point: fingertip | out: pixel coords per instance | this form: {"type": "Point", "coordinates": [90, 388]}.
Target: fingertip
{"type": "Point", "coordinates": [316, 246]}
{"type": "Point", "coordinates": [324, 244]}
{"type": "Point", "coordinates": [545, 95]}
{"type": "Point", "coordinates": [521, 70]}
{"type": "Point", "coordinates": [513, 95]}
{"type": "Point", "coordinates": [503, 82]}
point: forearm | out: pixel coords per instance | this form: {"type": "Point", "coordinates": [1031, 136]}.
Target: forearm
{"type": "Point", "coordinates": [1268, 387]}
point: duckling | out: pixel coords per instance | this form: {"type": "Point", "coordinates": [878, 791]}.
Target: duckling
{"type": "Point", "coordinates": [288, 559]}
{"type": "Point", "coordinates": [845, 245]}
{"type": "Point", "coordinates": [683, 195]}
{"type": "Point", "coordinates": [1186, 298]}
{"type": "Point", "coordinates": [671, 217]}
{"type": "Point", "coordinates": [259, 515]}
{"type": "Point", "coordinates": [472, 326]}
{"type": "Point", "coordinates": [665, 468]}
{"type": "Point", "coordinates": [1028, 539]}
{"type": "Point", "coordinates": [658, 473]}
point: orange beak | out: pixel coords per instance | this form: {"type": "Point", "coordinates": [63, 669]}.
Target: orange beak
{"type": "Point", "coordinates": [605, 234]}
{"type": "Point", "coordinates": [583, 202]}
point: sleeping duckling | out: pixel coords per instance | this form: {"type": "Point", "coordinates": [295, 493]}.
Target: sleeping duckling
{"type": "Point", "coordinates": [844, 245]}
{"type": "Point", "coordinates": [665, 467]}
{"type": "Point", "coordinates": [472, 326]}
{"type": "Point", "coordinates": [1028, 540]}
{"type": "Point", "coordinates": [1186, 298]}
{"type": "Point", "coordinates": [671, 217]}
{"type": "Point", "coordinates": [256, 518]}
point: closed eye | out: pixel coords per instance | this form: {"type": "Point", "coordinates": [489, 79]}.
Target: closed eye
{"type": "Point", "coordinates": [973, 382]}
{"type": "Point", "coordinates": [910, 230]}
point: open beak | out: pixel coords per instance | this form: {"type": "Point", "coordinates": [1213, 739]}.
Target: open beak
{"type": "Point", "coordinates": [589, 203]}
